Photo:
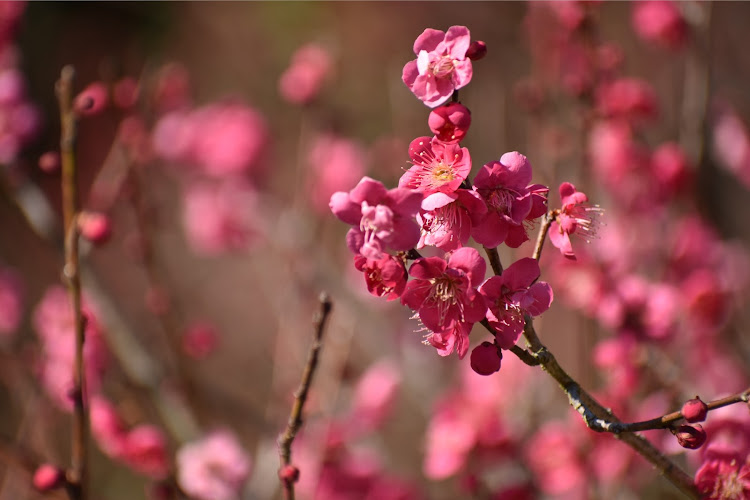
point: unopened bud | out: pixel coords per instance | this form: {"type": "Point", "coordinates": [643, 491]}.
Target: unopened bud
{"type": "Point", "coordinates": [485, 358]}
{"type": "Point", "coordinates": [94, 226]}
{"type": "Point", "coordinates": [289, 473]}
{"type": "Point", "coordinates": [49, 162]}
{"type": "Point", "coordinates": [477, 50]}
{"type": "Point", "coordinates": [450, 123]}
{"type": "Point", "coordinates": [47, 477]}
{"type": "Point", "coordinates": [690, 436]}
{"type": "Point", "coordinates": [694, 410]}
{"type": "Point", "coordinates": [91, 100]}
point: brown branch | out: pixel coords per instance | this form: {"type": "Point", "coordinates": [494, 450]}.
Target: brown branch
{"type": "Point", "coordinates": [542, 236]}
{"type": "Point", "coordinates": [295, 418]}
{"type": "Point", "coordinates": [77, 474]}
{"type": "Point", "coordinates": [494, 258]}
{"type": "Point", "coordinates": [601, 419]}
{"type": "Point", "coordinates": [666, 421]}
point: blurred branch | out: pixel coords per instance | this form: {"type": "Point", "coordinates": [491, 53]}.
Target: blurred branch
{"type": "Point", "coordinates": [287, 474]}
{"type": "Point", "coordinates": [77, 475]}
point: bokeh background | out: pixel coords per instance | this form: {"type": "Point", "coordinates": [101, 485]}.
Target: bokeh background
{"type": "Point", "coordinates": [260, 297]}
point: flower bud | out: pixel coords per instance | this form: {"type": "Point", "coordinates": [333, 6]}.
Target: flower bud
{"type": "Point", "coordinates": [94, 226]}
{"type": "Point", "coordinates": [485, 358]}
{"type": "Point", "coordinates": [92, 100]}
{"type": "Point", "coordinates": [450, 123]}
{"type": "Point", "coordinates": [694, 410]}
{"type": "Point", "coordinates": [477, 50]}
{"type": "Point", "coordinates": [690, 436]}
{"type": "Point", "coordinates": [49, 162]}
{"type": "Point", "coordinates": [289, 473]}
{"type": "Point", "coordinates": [47, 477]}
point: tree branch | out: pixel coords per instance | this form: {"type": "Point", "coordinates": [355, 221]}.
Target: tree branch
{"type": "Point", "coordinates": [300, 396]}
{"type": "Point", "coordinates": [542, 235]}
{"type": "Point", "coordinates": [77, 474]}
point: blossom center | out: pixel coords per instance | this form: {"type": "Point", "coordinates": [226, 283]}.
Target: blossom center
{"type": "Point", "coordinates": [443, 67]}
{"type": "Point", "coordinates": [501, 200]}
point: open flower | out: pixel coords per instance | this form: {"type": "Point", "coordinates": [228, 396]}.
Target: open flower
{"type": "Point", "coordinates": [511, 296]}
{"type": "Point", "coordinates": [504, 186]}
{"type": "Point", "coordinates": [437, 166]}
{"type": "Point", "coordinates": [382, 218]}
{"type": "Point", "coordinates": [445, 297]}
{"type": "Point", "coordinates": [447, 218]}
{"type": "Point", "coordinates": [385, 277]}
{"type": "Point", "coordinates": [441, 65]}
{"type": "Point", "coordinates": [575, 216]}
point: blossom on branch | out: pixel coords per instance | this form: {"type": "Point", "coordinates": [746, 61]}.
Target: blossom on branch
{"type": "Point", "coordinates": [437, 166]}
{"type": "Point", "coordinates": [447, 218]}
{"type": "Point", "coordinates": [574, 216]}
{"type": "Point", "coordinates": [445, 297]}
{"type": "Point", "coordinates": [511, 296]}
{"type": "Point", "coordinates": [383, 219]}
{"type": "Point", "coordinates": [441, 65]}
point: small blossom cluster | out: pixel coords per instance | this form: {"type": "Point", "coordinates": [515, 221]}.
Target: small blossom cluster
{"type": "Point", "coordinates": [436, 205]}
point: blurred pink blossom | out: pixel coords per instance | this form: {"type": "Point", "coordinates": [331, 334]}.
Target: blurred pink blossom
{"type": "Point", "coordinates": [172, 89]}
{"type": "Point", "coordinates": [107, 428]}
{"type": "Point", "coordinates": [200, 340]}
{"type": "Point", "coordinates": [303, 80]}
{"type": "Point", "coordinates": [214, 467]}
{"type": "Point", "coordinates": [92, 99]}
{"type": "Point", "coordinates": [375, 395]}
{"type": "Point", "coordinates": [221, 217]}
{"type": "Point", "coordinates": [11, 302]}
{"type": "Point", "coordinates": [336, 164]}
{"type": "Point", "coordinates": [731, 143]}
{"type": "Point", "coordinates": [145, 450]}
{"type": "Point", "coordinates": [660, 22]}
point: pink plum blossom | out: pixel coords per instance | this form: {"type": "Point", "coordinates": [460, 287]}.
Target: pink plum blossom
{"type": "Point", "coordinates": [441, 65]}
{"type": "Point", "coordinates": [437, 166]}
{"type": "Point", "coordinates": [627, 98]}
{"type": "Point", "coordinates": [11, 302]}
{"type": "Point", "coordinates": [383, 219]}
{"type": "Point", "coordinates": [447, 218]}
{"type": "Point", "coordinates": [504, 186]}
{"type": "Point", "coordinates": [575, 216]}
{"type": "Point", "coordinates": [660, 22]}
{"type": "Point", "coordinates": [560, 468]}
{"type": "Point", "coordinates": [375, 395]}
{"type": "Point", "coordinates": [107, 428]}
{"type": "Point", "coordinates": [731, 143]}
{"type": "Point", "coordinates": [303, 80]}
{"type": "Point", "coordinates": [450, 123]}
{"type": "Point", "coordinates": [511, 296]}
{"type": "Point", "coordinates": [145, 451]}
{"type": "Point", "coordinates": [214, 467]}
{"type": "Point", "coordinates": [445, 298]}
{"type": "Point", "coordinates": [336, 164]}
{"type": "Point", "coordinates": [53, 322]}
{"type": "Point", "coordinates": [221, 218]}
{"type": "Point", "coordinates": [385, 277]}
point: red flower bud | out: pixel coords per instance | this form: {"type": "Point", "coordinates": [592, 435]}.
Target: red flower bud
{"type": "Point", "coordinates": [94, 226]}
{"type": "Point", "coordinates": [92, 100]}
{"type": "Point", "coordinates": [477, 50]}
{"type": "Point", "coordinates": [690, 436]}
{"type": "Point", "coordinates": [289, 473]}
{"type": "Point", "coordinates": [694, 410]}
{"type": "Point", "coordinates": [485, 358]}
{"type": "Point", "coordinates": [450, 123]}
{"type": "Point", "coordinates": [48, 477]}
{"type": "Point", "coordinates": [49, 162]}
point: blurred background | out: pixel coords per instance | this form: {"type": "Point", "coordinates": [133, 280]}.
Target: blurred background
{"type": "Point", "coordinates": [205, 287]}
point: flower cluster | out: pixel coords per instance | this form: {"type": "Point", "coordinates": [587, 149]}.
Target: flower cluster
{"type": "Point", "coordinates": [436, 205]}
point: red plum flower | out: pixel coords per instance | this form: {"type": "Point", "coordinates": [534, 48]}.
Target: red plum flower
{"type": "Point", "coordinates": [441, 65]}
{"type": "Point", "coordinates": [437, 166]}
{"type": "Point", "coordinates": [661, 22]}
{"type": "Point", "coordinates": [302, 81]}
{"type": "Point", "coordinates": [450, 123]}
{"type": "Point", "coordinates": [447, 218]}
{"type": "Point", "coordinates": [445, 297]}
{"type": "Point", "coordinates": [575, 216]}
{"type": "Point", "coordinates": [512, 295]}
{"type": "Point", "coordinates": [385, 277]}
{"type": "Point", "coordinates": [383, 219]}
{"type": "Point", "coordinates": [485, 358]}
{"type": "Point", "coordinates": [504, 187]}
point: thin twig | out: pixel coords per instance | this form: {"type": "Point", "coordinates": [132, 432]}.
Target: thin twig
{"type": "Point", "coordinates": [542, 235]}
{"type": "Point", "coordinates": [295, 417]}
{"type": "Point", "coordinates": [666, 421]}
{"type": "Point", "coordinates": [494, 258]}
{"type": "Point", "coordinates": [601, 419]}
{"type": "Point", "coordinates": [77, 474]}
